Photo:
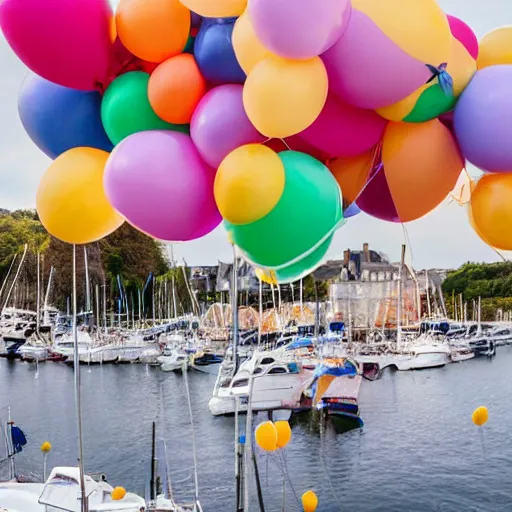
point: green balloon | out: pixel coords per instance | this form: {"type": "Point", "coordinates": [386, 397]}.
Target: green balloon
{"type": "Point", "coordinates": [431, 104]}
{"type": "Point", "coordinates": [309, 208]}
{"type": "Point", "coordinates": [125, 108]}
{"type": "Point", "coordinates": [189, 47]}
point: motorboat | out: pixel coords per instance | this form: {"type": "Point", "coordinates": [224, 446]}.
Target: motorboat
{"type": "Point", "coordinates": [275, 385]}
{"type": "Point", "coordinates": [64, 345]}
{"type": "Point", "coordinates": [175, 360]}
{"type": "Point", "coordinates": [61, 492]}
{"type": "Point", "coordinates": [207, 362]}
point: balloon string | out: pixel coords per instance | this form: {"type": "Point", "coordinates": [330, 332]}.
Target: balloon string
{"type": "Point", "coordinates": [286, 144]}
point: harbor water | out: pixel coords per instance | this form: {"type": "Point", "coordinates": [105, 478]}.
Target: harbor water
{"type": "Point", "coordinates": [418, 451]}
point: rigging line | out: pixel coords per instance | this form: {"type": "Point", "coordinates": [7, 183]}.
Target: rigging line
{"type": "Point", "coordinates": [324, 462]}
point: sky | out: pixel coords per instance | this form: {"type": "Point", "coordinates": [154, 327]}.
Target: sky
{"type": "Point", "coordinates": [442, 239]}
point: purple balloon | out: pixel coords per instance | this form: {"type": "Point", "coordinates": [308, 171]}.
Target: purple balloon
{"type": "Point", "coordinates": [376, 199]}
{"type": "Point", "coordinates": [299, 29]}
{"type": "Point", "coordinates": [220, 125]}
{"type": "Point", "coordinates": [483, 119]}
{"type": "Point", "coordinates": [160, 184]}
{"type": "Point", "coordinates": [195, 19]}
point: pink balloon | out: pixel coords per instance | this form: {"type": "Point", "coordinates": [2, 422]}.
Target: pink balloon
{"type": "Point", "coordinates": [299, 29]}
{"type": "Point", "coordinates": [342, 130]}
{"type": "Point", "coordinates": [368, 70]}
{"type": "Point", "coordinates": [160, 184]}
{"type": "Point", "coordinates": [464, 34]}
{"type": "Point", "coordinates": [220, 125]}
{"type": "Point", "coordinates": [68, 42]}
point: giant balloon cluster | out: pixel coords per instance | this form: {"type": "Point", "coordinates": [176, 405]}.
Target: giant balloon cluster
{"type": "Point", "coordinates": [282, 118]}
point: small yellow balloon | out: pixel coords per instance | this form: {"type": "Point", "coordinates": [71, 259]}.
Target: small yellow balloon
{"type": "Point", "coordinates": [284, 433]}
{"type": "Point", "coordinates": [282, 97]}
{"type": "Point", "coordinates": [248, 48]}
{"type": "Point", "coordinates": [249, 183]}
{"type": "Point", "coordinates": [480, 416]}
{"type": "Point", "coordinates": [267, 276]}
{"type": "Point", "coordinates": [495, 48]}
{"type": "Point", "coordinates": [71, 201]}
{"type": "Point", "coordinates": [216, 8]}
{"type": "Point", "coordinates": [46, 447]}
{"type": "Point", "coordinates": [118, 493]}
{"type": "Point", "coordinates": [266, 436]}
{"type": "Point", "coordinates": [309, 501]}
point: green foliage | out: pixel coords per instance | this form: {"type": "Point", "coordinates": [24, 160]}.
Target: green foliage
{"type": "Point", "coordinates": [492, 282]}
{"type": "Point", "coordinates": [127, 253]}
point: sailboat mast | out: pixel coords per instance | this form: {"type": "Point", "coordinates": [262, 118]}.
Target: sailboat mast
{"type": "Point", "coordinates": [46, 316]}
{"type": "Point", "coordinates": [400, 300]}
{"type": "Point", "coordinates": [20, 266]}
{"type": "Point", "coordinates": [87, 283]}
{"type": "Point", "coordinates": [83, 496]}
{"type": "Point", "coordinates": [38, 294]}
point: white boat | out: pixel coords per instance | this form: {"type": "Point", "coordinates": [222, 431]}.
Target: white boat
{"type": "Point", "coordinates": [276, 385]}
{"type": "Point", "coordinates": [64, 345]}
{"type": "Point", "coordinates": [174, 360]}
{"type": "Point", "coordinates": [461, 353]}
{"type": "Point", "coordinates": [33, 351]}
{"type": "Point", "coordinates": [411, 357]}
{"type": "Point", "coordinates": [61, 492]}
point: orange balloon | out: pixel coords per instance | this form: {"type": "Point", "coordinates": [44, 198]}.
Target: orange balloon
{"type": "Point", "coordinates": [153, 30]}
{"type": "Point", "coordinates": [422, 164]}
{"type": "Point", "coordinates": [352, 174]}
{"type": "Point", "coordinates": [490, 210]}
{"type": "Point", "coordinates": [175, 88]}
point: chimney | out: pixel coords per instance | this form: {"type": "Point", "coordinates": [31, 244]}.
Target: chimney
{"type": "Point", "coordinates": [346, 257]}
{"type": "Point", "coordinates": [366, 252]}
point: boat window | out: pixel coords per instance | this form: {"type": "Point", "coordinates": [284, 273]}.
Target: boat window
{"type": "Point", "coordinates": [267, 360]}
{"type": "Point", "coordinates": [277, 369]}
{"type": "Point", "coordinates": [240, 383]}
{"type": "Point", "coordinates": [258, 370]}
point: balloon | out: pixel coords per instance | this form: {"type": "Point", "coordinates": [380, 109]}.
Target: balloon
{"type": "Point", "coordinates": [189, 47]}
{"type": "Point", "coordinates": [266, 436]}
{"type": "Point", "coordinates": [220, 125]}
{"type": "Point", "coordinates": [299, 29]}
{"type": "Point", "coordinates": [342, 130]}
{"type": "Point", "coordinates": [71, 202]}
{"type": "Point", "coordinates": [352, 174]}
{"type": "Point", "coordinates": [309, 501]}
{"type": "Point", "coordinates": [284, 97]}
{"type": "Point", "coordinates": [153, 30]}
{"type": "Point", "coordinates": [267, 276]}
{"type": "Point", "coordinates": [351, 211]}
{"type": "Point", "coordinates": [195, 19]}
{"type": "Point", "coordinates": [217, 8]}
{"type": "Point", "coordinates": [292, 239]}
{"type": "Point", "coordinates": [57, 118]}
{"type": "Point", "coordinates": [214, 52]}
{"type": "Point", "coordinates": [464, 34]}
{"type": "Point", "coordinates": [483, 119]}
{"type": "Point", "coordinates": [248, 48]}
{"type": "Point", "coordinates": [496, 48]}
{"type": "Point", "coordinates": [421, 164]}
{"type": "Point", "coordinates": [382, 56]}
{"type": "Point", "coordinates": [158, 182]}
{"type": "Point", "coordinates": [295, 143]}
{"type": "Point", "coordinates": [175, 88]}
{"type": "Point", "coordinates": [284, 433]}
{"type": "Point", "coordinates": [430, 101]}
{"type": "Point", "coordinates": [490, 210]}
{"type": "Point", "coordinates": [118, 493]}
{"type": "Point", "coordinates": [125, 108]}
{"type": "Point", "coordinates": [68, 42]}
{"type": "Point", "coordinates": [249, 183]}
{"type": "Point", "coordinates": [480, 416]}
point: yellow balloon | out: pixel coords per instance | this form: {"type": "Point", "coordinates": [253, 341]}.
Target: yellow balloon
{"type": "Point", "coordinates": [495, 48]}
{"type": "Point", "coordinates": [267, 276]}
{"type": "Point", "coordinates": [216, 8]}
{"type": "Point", "coordinates": [71, 201]}
{"type": "Point", "coordinates": [249, 183]}
{"type": "Point", "coordinates": [46, 447]}
{"type": "Point", "coordinates": [480, 416]}
{"type": "Point", "coordinates": [248, 48]}
{"type": "Point", "coordinates": [309, 501]}
{"type": "Point", "coordinates": [266, 436]}
{"type": "Point", "coordinates": [118, 493]}
{"type": "Point", "coordinates": [282, 97]}
{"type": "Point", "coordinates": [284, 433]}
{"type": "Point", "coordinates": [421, 30]}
